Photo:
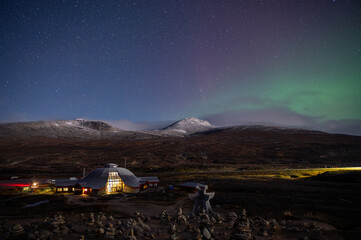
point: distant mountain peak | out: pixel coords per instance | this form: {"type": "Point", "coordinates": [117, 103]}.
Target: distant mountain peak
{"type": "Point", "coordinates": [189, 125]}
{"type": "Point", "coordinates": [193, 121]}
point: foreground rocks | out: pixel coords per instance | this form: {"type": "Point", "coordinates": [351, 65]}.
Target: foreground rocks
{"type": "Point", "coordinates": [234, 225]}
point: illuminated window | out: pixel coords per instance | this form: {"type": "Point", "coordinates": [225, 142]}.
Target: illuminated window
{"type": "Point", "coordinates": [115, 183]}
{"type": "Point", "coordinates": [65, 189]}
{"type": "Point", "coordinates": [60, 189]}
{"type": "Point", "coordinates": [150, 184]}
{"type": "Point", "coordinates": [155, 184]}
{"type": "Point", "coordinates": [73, 189]}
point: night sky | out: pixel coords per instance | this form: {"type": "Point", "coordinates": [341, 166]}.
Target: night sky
{"type": "Point", "coordinates": [290, 62]}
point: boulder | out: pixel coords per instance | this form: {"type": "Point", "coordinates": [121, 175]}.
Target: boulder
{"type": "Point", "coordinates": [206, 233]}
{"type": "Point", "coordinates": [242, 236]}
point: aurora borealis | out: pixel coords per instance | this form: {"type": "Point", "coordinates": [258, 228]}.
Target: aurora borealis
{"type": "Point", "coordinates": [294, 63]}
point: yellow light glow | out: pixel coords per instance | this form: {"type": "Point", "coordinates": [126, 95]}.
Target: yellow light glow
{"type": "Point", "coordinates": [114, 183]}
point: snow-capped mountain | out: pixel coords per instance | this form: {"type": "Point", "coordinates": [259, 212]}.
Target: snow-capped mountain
{"type": "Point", "coordinates": [78, 129]}
{"type": "Point", "coordinates": [189, 126]}
{"type": "Point", "coordinates": [93, 130]}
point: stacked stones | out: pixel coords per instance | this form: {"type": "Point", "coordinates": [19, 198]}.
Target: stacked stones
{"type": "Point", "coordinates": [206, 224]}
{"type": "Point", "coordinates": [138, 225]}
{"type": "Point", "coordinates": [179, 223]}
{"type": "Point", "coordinates": [39, 230]}
{"type": "Point", "coordinates": [60, 225]}
{"type": "Point", "coordinates": [50, 227]}
{"type": "Point", "coordinates": [100, 225]}
{"type": "Point", "coordinates": [163, 226]}
{"type": "Point", "coordinates": [266, 228]}
{"type": "Point", "coordinates": [218, 218]}
{"type": "Point", "coordinates": [180, 218]}
{"type": "Point", "coordinates": [202, 225]}
{"type": "Point", "coordinates": [89, 222]}
{"type": "Point", "coordinates": [240, 225]}
{"type": "Point", "coordinates": [17, 231]}
{"type": "Point", "coordinates": [109, 231]}
{"type": "Point", "coordinates": [165, 217]}
{"type": "Point", "coordinates": [109, 228]}
{"type": "Point", "coordinates": [173, 230]}
{"type": "Point", "coordinates": [171, 223]}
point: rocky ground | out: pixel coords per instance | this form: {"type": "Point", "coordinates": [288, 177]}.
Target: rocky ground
{"type": "Point", "coordinates": [325, 208]}
{"type": "Point", "coordinates": [233, 225]}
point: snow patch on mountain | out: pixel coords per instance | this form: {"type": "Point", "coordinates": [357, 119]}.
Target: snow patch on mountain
{"type": "Point", "coordinates": [77, 129]}
{"type": "Point", "coordinates": [189, 126]}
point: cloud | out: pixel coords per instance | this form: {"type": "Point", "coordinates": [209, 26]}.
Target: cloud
{"type": "Point", "coordinates": [271, 116]}
{"type": "Point", "coordinates": [344, 126]}
{"type": "Point", "coordinates": [284, 117]}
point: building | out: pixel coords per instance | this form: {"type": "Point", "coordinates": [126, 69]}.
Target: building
{"type": "Point", "coordinates": [107, 180]}
{"type": "Point", "coordinates": [25, 184]}
{"type": "Point", "coordinates": [62, 185]}
{"type": "Point", "coordinates": [22, 184]}
{"type": "Point", "coordinates": [149, 182]}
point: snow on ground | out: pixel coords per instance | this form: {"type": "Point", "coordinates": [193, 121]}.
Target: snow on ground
{"type": "Point", "coordinates": [180, 130]}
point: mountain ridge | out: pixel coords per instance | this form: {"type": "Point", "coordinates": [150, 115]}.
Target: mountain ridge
{"type": "Point", "coordinates": [95, 129]}
{"type": "Point", "coordinates": [77, 129]}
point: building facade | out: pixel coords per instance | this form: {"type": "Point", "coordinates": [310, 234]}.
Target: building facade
{"type": "Point", "coordinates": [108, 180]}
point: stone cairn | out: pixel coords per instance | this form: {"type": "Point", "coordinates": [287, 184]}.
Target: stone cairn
{"type": "Point", "coordinates": [234, 225]}
{"type": "Point", "coordinates": [202, 223]}
{"type": "Point", "coordinates": [50, 228]}
{"type": "Point", "coordinates": [199, 224]}
{"type": "Point", "coordinates": [201, 200]}
{"type": "Point", "coordinates": [17, 231]}
{"type": "Point", "coordinates": [240, 225]}
{"type": "Point", "coordinates": [101, 226]}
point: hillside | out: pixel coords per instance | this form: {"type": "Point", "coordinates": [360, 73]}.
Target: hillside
{"type": "Point", "coordinates": [235, 147]}
{"type": "Point", "coordinates": [69, 129]}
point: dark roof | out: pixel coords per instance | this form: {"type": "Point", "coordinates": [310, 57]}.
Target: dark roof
{"type": "Point", "coordinates": [190, 185]}
{"type": "Point", "coordinates": [97, 179]}
{"type": "Point", "coordinates": [148, 179]}
{"type": "Point", "coordinates": [65, 183]}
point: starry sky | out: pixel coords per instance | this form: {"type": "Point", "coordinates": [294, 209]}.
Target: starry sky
{"type": "Point", "coordinates": [290, 63]}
